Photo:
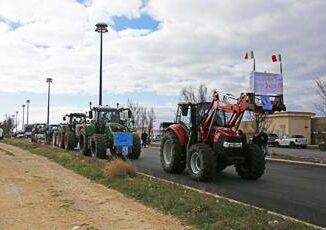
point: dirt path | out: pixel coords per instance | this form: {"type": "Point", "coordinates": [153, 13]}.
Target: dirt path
{"type": "Point", "coordinates": [36, 193]}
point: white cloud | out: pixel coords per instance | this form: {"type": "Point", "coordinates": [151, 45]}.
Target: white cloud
{"type": "Point", "coordinates": [197, 41]}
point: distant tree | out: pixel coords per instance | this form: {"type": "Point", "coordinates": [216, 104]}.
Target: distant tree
{"type": "Point", "coordinates": [8, 125]}
{"type": "Point", "coordinates": [192, 95]}
{"type": "Point", "coordinates": [259, 122]}
{"type": "Point", "coordinates": [151, 118]}
{"type": "Point", "coordinates": [321, 87]}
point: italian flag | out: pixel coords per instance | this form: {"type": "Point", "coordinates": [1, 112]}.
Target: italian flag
{"type": "Point", "coordinates": [249, 55]}
{"type": "Point", "coordinates": [276, 57]}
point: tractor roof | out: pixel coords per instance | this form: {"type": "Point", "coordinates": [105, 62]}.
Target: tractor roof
{"type": "Point", "coordinates": [76, 114]}
{"type": "Point", "coordinates": [193, 103]}
{"type": "Point", "coordinates": [104, 108]}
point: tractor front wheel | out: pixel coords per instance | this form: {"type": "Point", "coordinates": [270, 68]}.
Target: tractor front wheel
{"type": "Point", "coordinates": [136, 147]}
{"type": "Point", "coordinates": [254, 164]}
{"type": "Point", "coordinates": [201, 162]}
{"type": "Point", "coordinates": [83, 144]}
{"type": "Point", "coordinates": [98, 146]}
{"type": "Point", "coordinates": [172, 154]}
{"type": "Point", "coordinates": [69, 141]}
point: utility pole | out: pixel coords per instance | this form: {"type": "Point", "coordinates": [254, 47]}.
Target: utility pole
{"type": "Point", "coordinates": [49, 81]}
{"type": "Point", "coordinates": [23, 106]}
{"type": "Point", "coordinates": [27, 103]}
{"type": "Point", "coordinates": [101, 28]}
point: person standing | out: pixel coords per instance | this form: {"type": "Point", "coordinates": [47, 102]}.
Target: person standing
{"type": "Point", "coordinates": [144, 139]}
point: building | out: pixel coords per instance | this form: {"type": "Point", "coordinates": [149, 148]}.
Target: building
{"type": "Point", "coordinates": [285, 123]}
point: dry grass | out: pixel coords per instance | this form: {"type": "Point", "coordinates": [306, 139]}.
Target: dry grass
{"type": "Point", "coordinates": [120, 168]}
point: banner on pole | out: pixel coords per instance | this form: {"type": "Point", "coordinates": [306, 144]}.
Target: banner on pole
{"type": "Point", "coordinates": [266, 83]}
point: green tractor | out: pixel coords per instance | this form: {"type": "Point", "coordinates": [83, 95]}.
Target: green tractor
{"type": "Point", "coordinates": [97, 135]}
{"type": "Point", "coordinates": [67, 135]}
{"type": "Point", "coordinates": [38, 132]}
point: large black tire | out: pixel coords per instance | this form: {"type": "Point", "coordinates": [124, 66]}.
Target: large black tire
{"type": "Point", "coordinates": [69, 140]}
{"type": "Point", "coordinates": [98, 146]}
{"type": "Point", "coordinates": [83, 144]}
{"type": "Point", "coordinates": [254, 164]}
{"type": "Point", "coordinates": [172, 154]}
{"type": "Point", "coordinates": [201, 162]}
{"type": "Point", "coordinates": [54, 139]}
{"type": "Point", "coordinates": [136, 147]}
{"type": "Point", "coordinates": [220, 167]}
{"type": "Point", "coordinates": [61, 140]}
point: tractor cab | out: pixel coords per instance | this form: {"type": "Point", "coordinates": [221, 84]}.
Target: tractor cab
{"type": "Point", "coordinates": [190, 115]}
{"type": "Point", "coordinates": [73, 119]}
{"type": "Point", "coordinates": [127, 119]}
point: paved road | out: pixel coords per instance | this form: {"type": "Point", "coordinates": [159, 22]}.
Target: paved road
{"type": "Point", "coordinates": [308, 153]}
{"type": "Point", "coordinates": [295, 190]}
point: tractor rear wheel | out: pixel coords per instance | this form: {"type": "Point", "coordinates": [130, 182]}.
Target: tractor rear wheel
{"type": "Point", "coordinates": [69, 140]}
{"type": "Point", "coordinates": [61, 140]}
{"type": "Point", "coordinates": [98, 146]}
{"type": "Point", "coordinates": [254, 164]}
{"type": "Point", "coordinates": [201, 162]}
{"type": "Point", "coordinates": [136, 147]}
{"type": "Point", "coordinates": [54, 139]}
{"type": "Point", "coordinates": [83, 144]}
{"type": "Point", "coordinates": [172, 154]}
{"type": "Point", "coordinates": [220, 167]}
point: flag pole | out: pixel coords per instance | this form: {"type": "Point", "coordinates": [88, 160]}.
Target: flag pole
{"type": "Point", "coordinates": [281, 69]}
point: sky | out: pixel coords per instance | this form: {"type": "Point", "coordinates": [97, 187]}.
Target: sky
{"type": "Point", "coordinates": [152, 50]}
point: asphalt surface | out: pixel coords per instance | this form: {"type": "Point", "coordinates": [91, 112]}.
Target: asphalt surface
{"type": "Point", "coordinates": [295, 190]}
{"type": "Point", "coordinates": [305, 153]}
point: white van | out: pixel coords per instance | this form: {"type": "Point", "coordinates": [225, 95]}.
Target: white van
{"type": "Point", "coordinates": [1, 133]}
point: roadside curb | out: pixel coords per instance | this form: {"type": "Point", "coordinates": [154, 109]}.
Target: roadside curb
{"type": "Point", "coordinates": [233, 201]}
{"type": "Point", "coordinates": [295, 162]}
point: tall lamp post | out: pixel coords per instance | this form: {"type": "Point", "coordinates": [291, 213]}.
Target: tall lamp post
{"type": "Point", "coordinates": [23, 106]}
{"type": "Point", "coordinates": [49, 81]}
{"type": "Point", "coordinates": [27, 110]}
{"type": "Point", "coordinates": [16, 121]}
{"type": "Point", "coordinates": [101, 28]}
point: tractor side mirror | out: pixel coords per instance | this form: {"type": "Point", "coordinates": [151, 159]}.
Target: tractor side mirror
{"type": "Point", "coordinates": [129, 114]}
{"type": "Point", "coordinates": [90, 114]}
{"type": "Point", "coordinates": [184, 110]}
{"type": "Point", "coordinates": [64, 118]}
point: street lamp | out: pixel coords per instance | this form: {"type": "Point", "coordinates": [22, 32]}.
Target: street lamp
{"type": "Point", "coordinates": [27, 112]}
{"type": "Point", "coordinates": [101, 28]}
{"type": "Point", "coordinates": [16, 120]}
{"type": "Point", "coordinates": [49, 81]}
{"type": "Point", "coordinates": [23, 106]}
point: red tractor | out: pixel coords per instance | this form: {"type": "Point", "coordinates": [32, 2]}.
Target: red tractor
{"type": "Point", "coordinates": [205, 138]}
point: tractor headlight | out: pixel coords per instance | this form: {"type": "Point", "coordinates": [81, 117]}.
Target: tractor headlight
{"type": "Point", "coordinates": [232, 144]}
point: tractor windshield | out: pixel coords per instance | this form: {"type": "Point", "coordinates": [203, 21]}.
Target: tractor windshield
{"type": "Point", "coordinates": [77, 119]}
{"type": "Point", "coordinates": [110, 116]}
{"type": "Point", "coordinates": [220, 118]}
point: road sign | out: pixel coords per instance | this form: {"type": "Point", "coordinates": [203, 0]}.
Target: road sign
{"type": "Point", "coordinates": [122, 139]}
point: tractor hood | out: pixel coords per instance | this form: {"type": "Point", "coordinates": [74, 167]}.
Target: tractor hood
{"type": "Point", "coordinates": [116, 127]}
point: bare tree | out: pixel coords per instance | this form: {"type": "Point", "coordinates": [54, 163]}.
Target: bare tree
{"type": "Point", "coordinates": [8, 125]}
{"type": "Point", "coordinates": [321, 87]}
{"type": "Point", "coordinates": [260, 122]}
{"type": "Point", "coordinates": [151, 118]}
{"type": "Point", "coordinates": [189, 94]}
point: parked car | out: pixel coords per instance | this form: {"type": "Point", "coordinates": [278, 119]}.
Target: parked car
{"type": "Point", "coordinates": [156, 138]}
{"type": "Point", "coordinates": [271, 139]}
{"type": "Point", "coordinates": [292, 141]}
{"type": "Point", "coordinates": [20, 134]}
